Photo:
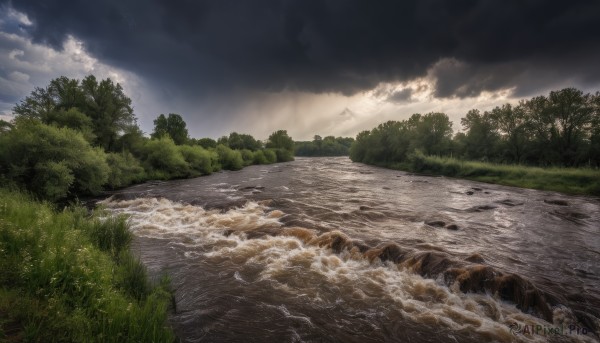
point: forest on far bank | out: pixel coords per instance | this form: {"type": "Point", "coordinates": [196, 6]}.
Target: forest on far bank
{"type": "Point", "coordinates": [324, 146]}
{"type": "Point", "coordinates": [558, 130]}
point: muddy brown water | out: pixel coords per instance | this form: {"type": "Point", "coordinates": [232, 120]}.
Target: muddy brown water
{"type": "Point", "coordinates": [326, 250]}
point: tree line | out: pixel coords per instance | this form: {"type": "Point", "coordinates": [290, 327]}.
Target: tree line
{"type": "Point", "coordinates": [328, 146]}
{"type": "Point", "coordinates": [561, 129]}
{"type": "Point", "coordinates": [77, 137]}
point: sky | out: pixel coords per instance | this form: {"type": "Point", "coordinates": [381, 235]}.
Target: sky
{"type": "Point", "coordinates": [327, 67]}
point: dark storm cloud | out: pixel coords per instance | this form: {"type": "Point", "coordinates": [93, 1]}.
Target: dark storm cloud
{"type": "Point", "coordinates": [330, 46]}
{"type": "Point", "coordinates": [401, 96]}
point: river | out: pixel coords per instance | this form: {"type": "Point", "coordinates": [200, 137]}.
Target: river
{"type": "Point", "coordinates": [326, 250]}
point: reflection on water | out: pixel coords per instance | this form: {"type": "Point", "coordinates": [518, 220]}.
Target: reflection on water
{"type": "Point", "coordinates": [328, 250]}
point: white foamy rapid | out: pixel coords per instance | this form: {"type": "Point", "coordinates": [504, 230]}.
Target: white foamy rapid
{"type": "Point", "coordinates": [289, 260]}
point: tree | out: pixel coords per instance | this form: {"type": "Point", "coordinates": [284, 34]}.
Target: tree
{"type": "Point", "coordinates": [248, 142]}
{"type": "Point", "coordinates": [109, 108]}
{"type": "Point", "coordinates": [280, 140]}
{"type": "Point", "coordinates": [61, 94]}
{"type": "Point", "coordinates": [594, 151]}
{"type": "Point", "coordinates": [358, 150]}
{"type": "Point", "coordinates": [481, 138]}
{"type": "Point", "coordinates": [329, 146]}
{"type": "Point", "coordinates": [207, 143]}
{"type": "Point", "coordinates": [318, 141]}
{"type": "Point", "coordinates": [73, 119]}
{"type": "Point", "coordinates": [224, 140]}
{"type": "Point", "coordinates": [434, 133]}
{"type": "Point", "coordinates": [561, 125]}
{"type": "Point", "coordinates": [173, 125]}
{"type": "Point", "coordinates": [511, 122]}
{"type": "Point", "coordinates": [103, 102]}
{"type": "Point", "coordinates": [161, 127]}
{"type": "Point", "coordinates": [572, 114]}
{"type": "Point", "coordinates": [37, 105]}
{"type": "Point", "coordinates": [539, 123]}
{"type": "Point", "coordinates": [132, 140]}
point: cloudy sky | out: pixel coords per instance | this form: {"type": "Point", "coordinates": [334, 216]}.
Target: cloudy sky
{"type": "Point", "coordinates": [328, 67]}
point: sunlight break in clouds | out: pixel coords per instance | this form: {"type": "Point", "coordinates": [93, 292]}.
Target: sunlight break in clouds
{"type": "Point", "coordinates": [26, 65]}
{"type": "Point", "coordinates": [34, 65]}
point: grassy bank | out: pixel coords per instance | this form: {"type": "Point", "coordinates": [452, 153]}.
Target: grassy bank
{"type": "Point", "coordinates": [66, 276]}
{"type": "Point", "coordinates": [567, 180]}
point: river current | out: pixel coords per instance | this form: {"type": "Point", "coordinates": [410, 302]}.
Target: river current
{"type": "Point", "coordinates": [326, 250]}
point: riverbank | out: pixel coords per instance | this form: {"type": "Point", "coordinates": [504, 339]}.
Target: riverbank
{"type": "Point", "coordinates": [581, 181]}
{"type": "Point", "coordinates": [70, 276]}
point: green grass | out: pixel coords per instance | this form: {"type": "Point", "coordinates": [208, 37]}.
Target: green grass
{"type": "Point", "coordinates": [67, 276]}
{"type": "Point", "coordinates": [584, 181]}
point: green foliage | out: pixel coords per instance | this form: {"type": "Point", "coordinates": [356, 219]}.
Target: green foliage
{"type": "Point", "coordinates": [58, 160]}
{"type": "Point", "coordinates": [163, 160]}
{"type": "Point", "coordinates": [52, 180]}
{"type": "Point", "coordinates": [432, 133]}
{"type": "Point", "coordinates": [206, 143]}
{"type": "Point", "coordinates": [281, 140]}
{"type": "Point", "coordinates": [284, 155]}
{"type": "Point", "coordinates": [328, 146]}
{"type": "Point", "coordinates": [229, 159]}
{"type": "Point", "coordinates": [481, 138]}
{"type": "Point", "coordinates": [557, 129]}
{"type": "Point", "coordinates": [75, 120]}
{"type": "Point", "coordinates": [76, 137]}
{"type": "Point", "coordinates": [270, 156]}
{"type": "Point", "coordinates": [124, 168]}
{"type": "Point", "coordinates": [391, 142]}
{"type": "Point", "coordinates": [247, 157]}
{"type": "Point", "coordinates": [132, 140]}
{"type": "Point", "coordinates": [198, 159]}
{"type": "Point", "coordinates": [560, 129]}
{"type": "Point", "coordinates": [243, 141]}
{"type": "Point", "coordinates": [259, 158]}
{"type": "Point", "coordinates": [62, 281]}
{"type": "Point", "coordinates": [174, 126]}
{"type": "Point", "coordinates": [108, 110]}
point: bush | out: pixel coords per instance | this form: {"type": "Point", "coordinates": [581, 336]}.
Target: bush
{"type": "Point", "coordinates": [53, 179]}
{"type": "Point", "coordinates": [259, 157]}
{"type": "Point", "coordinates": [247, 157]}
{"type": "Point", "coordinates": [270, 155]}
{"type": "Point", "coordinates": [163, 160]}
{"type": "Point", "coordinates": [197, 158]}
{"type": "Point", "coordinates": [215, 161]}
{"type": "Point", "coordinates": [229, 159]}
{"type": "Point", "coordinates": [51, 162]}
{"type": "Point", "coordinates": [284, 155]}
{"type": "Point", "coordinates": [124, 169]}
